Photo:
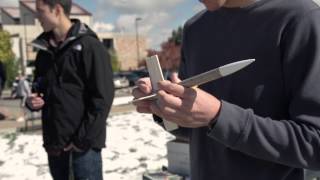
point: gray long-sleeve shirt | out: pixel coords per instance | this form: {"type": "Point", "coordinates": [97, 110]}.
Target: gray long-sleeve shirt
{"type": "Point", "coordinates": [269, 124]}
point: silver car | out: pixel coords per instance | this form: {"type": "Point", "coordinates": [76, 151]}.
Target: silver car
{"type": "Point", "coordinates": [120, 81]}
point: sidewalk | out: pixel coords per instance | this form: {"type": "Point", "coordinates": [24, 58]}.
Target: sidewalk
{"type": "Point", "coordinates": [11, 109]}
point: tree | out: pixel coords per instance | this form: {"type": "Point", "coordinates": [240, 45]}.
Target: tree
{"type": "Point", "coordinates": [114, 60]}
{"type": "Point", "coordinates": [6, 53]}
{"type": "Point", "coordinates": [12, 67]}
{"type": "Point", "coordinates": [7, 57]}
{"type": "Point", "coordinates": [176, 36]}
{"type": "Point", "coordinates": [169, 55]}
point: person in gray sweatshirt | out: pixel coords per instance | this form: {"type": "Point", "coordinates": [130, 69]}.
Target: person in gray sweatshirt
{"type": "Point", "coordinates": [263, 122]}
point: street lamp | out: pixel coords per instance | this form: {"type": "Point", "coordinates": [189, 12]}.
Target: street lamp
{"type": "Point", "coordinates": [24, 61]}
{"type": "Point", "coordinates": [137, 37]}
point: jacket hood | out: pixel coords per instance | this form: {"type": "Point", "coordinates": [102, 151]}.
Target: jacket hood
{"type": "Point", "coordinates": [77, 30]}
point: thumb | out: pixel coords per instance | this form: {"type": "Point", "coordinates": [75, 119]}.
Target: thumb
{"type": "Point", "coordinates": [174, 78]}
{"type": "Point", "coordinates": [33, 95]}
{"type": "Point", "coordinates": [68, 148]}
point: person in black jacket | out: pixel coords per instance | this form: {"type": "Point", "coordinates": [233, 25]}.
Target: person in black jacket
{"type": "Point", "coordinates": [73, 87]}
{"type": "Point", "coordinates": [2, 77]}
{"type": "Point", "coordinates": [262, 122]}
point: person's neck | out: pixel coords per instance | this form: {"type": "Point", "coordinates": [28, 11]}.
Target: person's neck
{"type": "Point", "coordinates": [238, 3]}
{"type": "Point", "coordinates": [60, 33]}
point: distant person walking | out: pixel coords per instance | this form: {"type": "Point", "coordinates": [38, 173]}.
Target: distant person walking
{"type": "Point", "coordinates": [23, 92]}
{"type": "Point", "coordinates": [14, 88]}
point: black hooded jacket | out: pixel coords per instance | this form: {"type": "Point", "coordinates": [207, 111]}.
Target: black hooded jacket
{"type": "Point", "coordinates": [76, 81]}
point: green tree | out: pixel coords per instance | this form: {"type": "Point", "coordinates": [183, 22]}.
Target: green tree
{"type": "Point", "coordinates": [12, 67]}
{"type": "Point", "coordinates": [176, 36]}
{"type": "Point", "coordinates": [6, 53]}
{"type": "Point", "coordinates": [7, 56]}
{"type": "Point", "coordinates": [114, 60]}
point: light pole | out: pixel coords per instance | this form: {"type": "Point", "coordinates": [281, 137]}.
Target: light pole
{"type": "Point", "coordinates": [137, 37]}
{"type": "Point", "coordinates": [25, 59]}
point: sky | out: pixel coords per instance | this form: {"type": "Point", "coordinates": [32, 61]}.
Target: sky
{"type": "Point", "coordinates": [158, 17]}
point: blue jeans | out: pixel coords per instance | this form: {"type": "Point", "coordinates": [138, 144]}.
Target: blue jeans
{"type": "Point", "coordinates": [76, 165]}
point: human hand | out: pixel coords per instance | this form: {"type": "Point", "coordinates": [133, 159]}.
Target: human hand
{"type": "Point", "coordinates": [35, 102]}
{"type": "Point", "coordinates": [73, 147]}
{"type": "Point", "coordinates": [143, 88]}
{"type": "Point", "coordinates": [187, 107]}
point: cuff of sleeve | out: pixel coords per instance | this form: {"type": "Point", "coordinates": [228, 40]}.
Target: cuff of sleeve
{"type": "Point", "coordinates": [230, 124]}
{"type": "Point", "coordinates": [158, 120]}
{"type": "Point", "coordinates": [81, 144]}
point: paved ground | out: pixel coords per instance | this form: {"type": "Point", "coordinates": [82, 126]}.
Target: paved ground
{"type": "Point", "coordinates": [11, 110]}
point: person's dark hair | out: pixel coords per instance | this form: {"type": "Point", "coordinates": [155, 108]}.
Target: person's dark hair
{"type": "Point", "coordinates": [66, 5]}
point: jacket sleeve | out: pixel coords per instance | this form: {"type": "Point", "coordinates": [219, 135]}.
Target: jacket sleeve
{"type": "Point", "coordinates": [294, 141]}
{"type": "Point", "coordinates": [99, 94]}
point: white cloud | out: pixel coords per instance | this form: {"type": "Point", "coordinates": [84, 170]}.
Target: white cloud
{"type": "Point", "coordinates": [160, 37]}
{"type": "Point", "coordinates": [147, 23]}
{"type": "Point", "coordinates": [154, 26]}
{"type": "Point", "coordinates": [102, 27]}
{"type": "Point", "coordinates": [139, 5]}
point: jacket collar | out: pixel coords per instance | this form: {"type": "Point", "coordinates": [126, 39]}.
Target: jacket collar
{"type": "Point", "coordinates": [77, 30]}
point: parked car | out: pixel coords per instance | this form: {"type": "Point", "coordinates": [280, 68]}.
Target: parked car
{"type": "Point", "coordinates": [131, 76]}
{"type": "Point", "coordinates": [120, 81]}
{"type": "Point", "coordinates": [141, 72]}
